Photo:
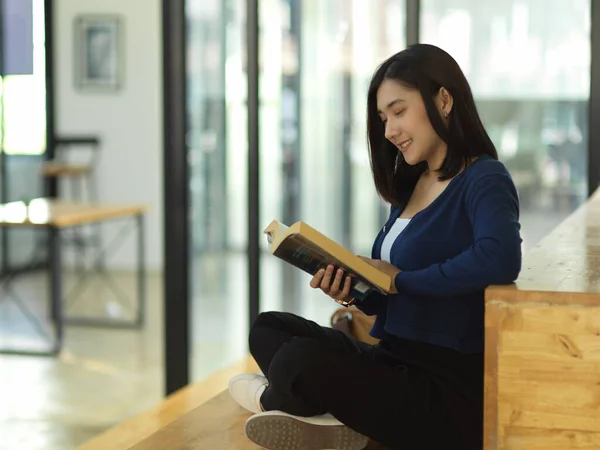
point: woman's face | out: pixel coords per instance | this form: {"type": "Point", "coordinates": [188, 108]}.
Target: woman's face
{"type": "Point", "coordinates": [407, 125]}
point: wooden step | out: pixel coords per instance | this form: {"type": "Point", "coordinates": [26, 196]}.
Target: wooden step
{"type": "Point", "coordinates": [132, 431]}
{"type": "Point", "coordinates": [217, 424]}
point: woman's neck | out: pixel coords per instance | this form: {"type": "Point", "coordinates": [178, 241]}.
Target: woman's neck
{"type": "Point", "coordinates": [434, 163]}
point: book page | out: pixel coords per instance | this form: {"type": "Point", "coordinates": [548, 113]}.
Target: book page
{"type": "Point", "coordinates": [272, 235]}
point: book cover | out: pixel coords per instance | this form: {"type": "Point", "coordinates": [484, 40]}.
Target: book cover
{"type": "Point", "coordinates": [309, 250]}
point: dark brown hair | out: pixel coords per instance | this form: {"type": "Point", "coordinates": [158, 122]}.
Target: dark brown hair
{"type": "Point", "coordinates": [425, 68]}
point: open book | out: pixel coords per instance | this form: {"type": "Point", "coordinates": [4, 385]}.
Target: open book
{"type": "Point", "coordinates": [309, 250]}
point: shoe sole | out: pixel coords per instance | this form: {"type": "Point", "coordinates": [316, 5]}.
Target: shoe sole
{"type": "Point", "coordinates": [280, 432]}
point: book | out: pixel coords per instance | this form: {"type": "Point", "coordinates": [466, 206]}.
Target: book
{"type": "Point", "coordinates": [309, 250]}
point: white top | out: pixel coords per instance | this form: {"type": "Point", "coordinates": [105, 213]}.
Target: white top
{"type": "Point", "coordinates": [397, 228]}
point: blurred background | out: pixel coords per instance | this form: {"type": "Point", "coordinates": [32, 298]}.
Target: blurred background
{"type": "Point", "coordinates": [529, 63]}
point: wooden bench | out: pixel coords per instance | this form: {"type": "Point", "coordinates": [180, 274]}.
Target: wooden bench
{"type": "Point", "coordinates": [173, 410]}
{"type": "Point", "coordinates": [542, 362]}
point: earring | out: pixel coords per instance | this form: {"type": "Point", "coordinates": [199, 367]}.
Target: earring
{"type": "Point", "coordinates": [446, 115]}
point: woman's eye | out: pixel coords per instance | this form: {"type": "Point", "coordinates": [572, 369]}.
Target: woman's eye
{"type": "Point", "coordinates": [399, 113]}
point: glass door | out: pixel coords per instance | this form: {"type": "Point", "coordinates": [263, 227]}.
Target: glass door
{"type": "Point", "coordinates": [217, 156]}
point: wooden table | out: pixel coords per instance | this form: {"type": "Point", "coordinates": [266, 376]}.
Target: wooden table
{"type": "Point", "coordinates": [542, 362]}
{"type": "Point", "coordinates": [57, 215]}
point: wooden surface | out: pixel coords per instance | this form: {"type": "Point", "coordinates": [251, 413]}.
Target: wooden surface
{"type": "Point", "coordinates": [542, 361]}
{"type": "Point", "coordinates": [217, 424]}
{"type": "Point", "coordinates": [61, 213]}
{"type": "Point", "coordinates": [57, 169]}
{"type": "Point", "coordinates": [131, 432]}
{"type": "Point", "coordinates": [200, 416]}
{"type": "Point", "coordinates": [566, 262]}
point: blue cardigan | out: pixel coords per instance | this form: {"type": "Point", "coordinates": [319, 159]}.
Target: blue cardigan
{"type": "Point", "coordinates": [464, 241]}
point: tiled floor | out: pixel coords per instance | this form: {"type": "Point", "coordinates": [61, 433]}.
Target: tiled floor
{"type": "Point", "coordinates": [102, 377]}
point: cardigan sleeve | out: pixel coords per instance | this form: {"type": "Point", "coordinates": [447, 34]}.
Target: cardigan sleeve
{"type": "Point", "coordinates": [495, 256]}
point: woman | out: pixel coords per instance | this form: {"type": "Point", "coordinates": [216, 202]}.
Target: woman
{"type": "Point", "coordinates": [452, 231]}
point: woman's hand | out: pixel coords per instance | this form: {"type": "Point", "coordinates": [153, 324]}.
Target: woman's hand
{"type": "Point", "coordinates": [385, 267]}
{"type": "Point", "coordinates": [339, 289]}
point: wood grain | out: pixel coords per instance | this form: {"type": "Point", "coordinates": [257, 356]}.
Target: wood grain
{"type": "Point", "coordinates": [543, 344]}
{"type": "Point", "coordinates": [490, 432]}
{"type": "Point", "coordinates": [544, 439]}
{"type": "Point", "coordinates": [217, 424]}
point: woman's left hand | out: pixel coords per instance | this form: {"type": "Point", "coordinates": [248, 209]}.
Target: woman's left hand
{"type": "Point", "coordinates": [385, 267]}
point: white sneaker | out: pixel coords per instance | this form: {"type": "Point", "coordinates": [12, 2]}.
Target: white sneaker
{"type": "Point", "coordinates": [247, 388]}
{"type": "Point", "coordinates": [276, 430]}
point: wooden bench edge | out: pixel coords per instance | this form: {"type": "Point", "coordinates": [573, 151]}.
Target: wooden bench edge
{"type": "Point", "coordinates": [132, 431]}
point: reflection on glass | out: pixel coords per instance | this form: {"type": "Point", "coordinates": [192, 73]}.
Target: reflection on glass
{"type": "Point", "coordinates": [317, 60]}
{"type": "Point", "coordinates": [528, 64]}
{"type": "Point", "coordinates": [217, 153]}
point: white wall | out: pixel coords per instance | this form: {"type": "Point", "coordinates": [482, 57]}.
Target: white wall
{"type": "Point", "coordinates": [129, 122]}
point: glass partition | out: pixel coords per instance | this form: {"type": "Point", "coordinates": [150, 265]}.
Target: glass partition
{"type": "Point", "coordinates": [528, 64]}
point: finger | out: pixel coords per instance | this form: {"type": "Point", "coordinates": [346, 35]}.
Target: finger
{"type": "Point", "coordinates": [326, 280]}
{"type": "Point", "coordinates": [337, 283]}
{"type": "Point", "coordinates": [316, 279]}
{"type": "Point", "coordinates": [347, 285]}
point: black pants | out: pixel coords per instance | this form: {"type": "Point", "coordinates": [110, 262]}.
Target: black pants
{"type": "Point", "coordinates": [401, 393]}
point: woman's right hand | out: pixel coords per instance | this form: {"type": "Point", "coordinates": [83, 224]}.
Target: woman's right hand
{"type": "Point", "coordinates": [339, 289]}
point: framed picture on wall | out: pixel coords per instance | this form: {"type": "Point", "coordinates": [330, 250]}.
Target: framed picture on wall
{"type": "Point", "coordinates": [99, 53]}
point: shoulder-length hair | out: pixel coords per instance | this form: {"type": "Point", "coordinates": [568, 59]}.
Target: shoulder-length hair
{"type": "Point", "coordinates": [425, 68]}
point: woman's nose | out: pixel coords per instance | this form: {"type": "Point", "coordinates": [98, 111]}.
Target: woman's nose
{"type": "Point", "coordinates": [390, 133]}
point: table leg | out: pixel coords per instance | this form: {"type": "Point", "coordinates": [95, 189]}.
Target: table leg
{"type": "Point", "coordinates": [55, 259]}
{"type": "Point", "coordinates": [141, 269]}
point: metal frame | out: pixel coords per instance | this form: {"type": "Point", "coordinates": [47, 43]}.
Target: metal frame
{"type": "Point", "coordinates": [51, 184]}
{"type": "Point", "coordinates": [99, 269]}
{"type": "Point", "coordinates": [56, 293]}
{"type": "Point", "coordinates": [594, 103]}
{"type": "Point", "coordinates": [177, 242]}
{"type": "Point", "coordinates": [413, 21]}
{"type": "Point", "coordinates": [3, 184]}
{"type": "Point", "coordinates": [61, 145]}
{"type": "Point", "coordinates": [55, 296]}
{"type": "Point", "coordinates": [252, 44]}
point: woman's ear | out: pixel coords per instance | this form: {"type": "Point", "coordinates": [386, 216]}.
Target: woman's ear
{"type": "Point", "coordinates": [445, 101]}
